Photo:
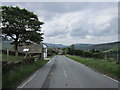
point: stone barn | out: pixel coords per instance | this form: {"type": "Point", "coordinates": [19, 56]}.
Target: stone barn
{"type": "Point", "coordinates": [34, 50]}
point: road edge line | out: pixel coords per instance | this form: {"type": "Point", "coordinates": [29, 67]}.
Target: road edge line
{"type": "Point", "coordinates": [24, 83]}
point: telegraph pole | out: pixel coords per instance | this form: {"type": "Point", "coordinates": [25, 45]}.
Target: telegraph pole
{"type": "Point", "coordinates": [42, 52]}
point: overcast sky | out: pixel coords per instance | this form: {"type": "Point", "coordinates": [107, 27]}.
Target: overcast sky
{"type": "Point", "coordinates": [76, 22]}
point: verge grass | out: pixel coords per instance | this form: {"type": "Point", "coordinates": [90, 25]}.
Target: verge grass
{"type": "Point", "coordinates": [101, 66]}
{"type": "Point", "coordinates": [11, 58]}
{"type": "Point", "coordinates": [14, 77]}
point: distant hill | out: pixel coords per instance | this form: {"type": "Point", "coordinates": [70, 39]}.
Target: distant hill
{"type": "Point", "coordinates": [82, 46]}
{"type": "Point", "coordinates": [101, 47]}
{"type": "Point", "coordinates": [55, 45]}
{"type": "Point", "coordinates": [106, 46]}
{"type": "Point", "coordinates": [6, 45]}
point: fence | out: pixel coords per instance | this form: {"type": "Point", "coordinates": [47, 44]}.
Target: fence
{"type": "Point", "coordinates": [7, 66]}
{"type": "Point", "coordinates": [12, 53]}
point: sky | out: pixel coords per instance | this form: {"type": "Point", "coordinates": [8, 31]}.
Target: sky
{"type": "Point", "coordinates": [75, 22]}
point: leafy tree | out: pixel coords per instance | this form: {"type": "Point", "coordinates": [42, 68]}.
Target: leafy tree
{"type": "Point", "coordinates": [98, 55]}
{"type": "Point", "coordinates": [51, 52]}
{"type": "Point", "coordinates": [21, 25]}
{"type": "Point", "coordinates": [72, 46]}
{"type": "Point", "coordinates": [79, 52]}
{"type": "Point", "coordinates": [71, 49]}
{"type": "Point", "coordinates": [92, 50]}
{"type": "Point", "coordinates": [87, 54]}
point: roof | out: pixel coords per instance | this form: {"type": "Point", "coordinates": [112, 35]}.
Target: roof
{"type": "Point", "coordinates": [33, 48]}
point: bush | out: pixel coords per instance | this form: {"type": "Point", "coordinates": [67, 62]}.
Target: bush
{"type": "Point", "coordinates": [89, 54]}
{"type": "Point", "coordinates": [51, 52]}
{"type": "Point", "coordinates": [98, 55]}
{"type": "Point", "coordinates": [28, 60]}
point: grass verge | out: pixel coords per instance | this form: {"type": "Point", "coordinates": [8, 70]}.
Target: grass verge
{"type": "Point", "coordinates": [14, 77]}
{"type": "Point", "coordinates": [11, 58]}
{"type": "Point", "coordinates": [102, 66]}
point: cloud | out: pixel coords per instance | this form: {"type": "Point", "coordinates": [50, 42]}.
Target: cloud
{"type": "Point", "coordinates": [83, 24]}
{"type": "Point", "coordinates": [68, 23]}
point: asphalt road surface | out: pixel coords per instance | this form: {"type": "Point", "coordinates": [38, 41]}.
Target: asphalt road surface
{"type": "Point", "coordinates": [62, 72]}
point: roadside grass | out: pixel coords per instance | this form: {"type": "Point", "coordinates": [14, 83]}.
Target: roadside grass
{"type": "Point", "coordinates": [12, 58]}
{"type": "Point", "coordinates": [101, 66]}
{"type": "Point", "coordinates": [14, 77]}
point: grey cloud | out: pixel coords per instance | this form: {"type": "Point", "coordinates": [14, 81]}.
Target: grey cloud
{"type": "Point", "coordinates": [111, 30]}
{"type": "Point", "coordinates": [85, 30]}
{"type": "Point", "coordinates": [53, 8]}
{"type": "Point", "coordinates": [79, 32]}
{"type": "Point", "coordinates": [57, 32]}
{"type": "Point", "coordinates": [80, 29]}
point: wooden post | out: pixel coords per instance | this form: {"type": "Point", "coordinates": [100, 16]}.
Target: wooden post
{"type": "Point", "coordinates": [7, 53]}
{"type": "Point", "coordinates": [118, 58]}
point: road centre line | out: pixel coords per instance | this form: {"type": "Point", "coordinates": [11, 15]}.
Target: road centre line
{"type": "Point", "coordinates": [65, 72]}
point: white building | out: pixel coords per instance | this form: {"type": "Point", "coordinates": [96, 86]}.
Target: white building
{"type": "Point", "coordinates": [44, 51]}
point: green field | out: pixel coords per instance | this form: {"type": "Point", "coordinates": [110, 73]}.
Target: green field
{"type": "Point", "coordinates": [11, 58]}
{"type": "Point", "coordinates": [110, 69]}
{"type": "Point", "coordinates": [14, 77]}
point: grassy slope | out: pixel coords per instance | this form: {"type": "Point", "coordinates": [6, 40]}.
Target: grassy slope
{"type": "Point", "coordinates": [14, 77]}
{"type": "Point", "coordinates": [102, 47]}
{"type": "Point", "coordinates": [11, 58]}
{"type": "Point", "coordinates": [6, 45]}
{"type": "Point", "coordinates": [106, 46]}
{"type": "Point", "coordinates": [99, 65]}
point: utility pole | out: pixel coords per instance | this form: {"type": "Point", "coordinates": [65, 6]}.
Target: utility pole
{"type": "Point", "coordinates": [42, 52]}
{"type": "Point", "coordinates": [118, 58]}
{"type": "Point", "coordinates": [7, 52]}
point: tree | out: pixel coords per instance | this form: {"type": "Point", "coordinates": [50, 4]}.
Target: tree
{"type": "Point", "coordinates": [21, 25]}
{"type": "Point", "coordinates": [92, 50]}
{"type": "Point", "coordinates": [72, 46]}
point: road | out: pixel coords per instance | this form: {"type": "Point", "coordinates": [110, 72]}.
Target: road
{"type": "Point", "coordinates": [62, 72]}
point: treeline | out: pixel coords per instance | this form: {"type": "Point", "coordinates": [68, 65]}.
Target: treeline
{"type": "Point", "coordinates": [78, 52]}
{"type": "Point", "coordinates": [88, 54]}
{"type": "Point", "coordinates": [113, 54]}
{"type": "Point", "coordinates": [52, 52]}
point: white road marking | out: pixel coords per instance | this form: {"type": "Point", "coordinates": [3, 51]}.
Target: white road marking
{"type": "Point", "coordinates": [103, 74]}
{"type": "Point", "coordinates": [110, 78]}
{"type": "Point", "coordinates": [64, 72]}
{"type": "Point", "coordinates": [49, 61]}
{"type": "Point", "coordinates": [23, 84]}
